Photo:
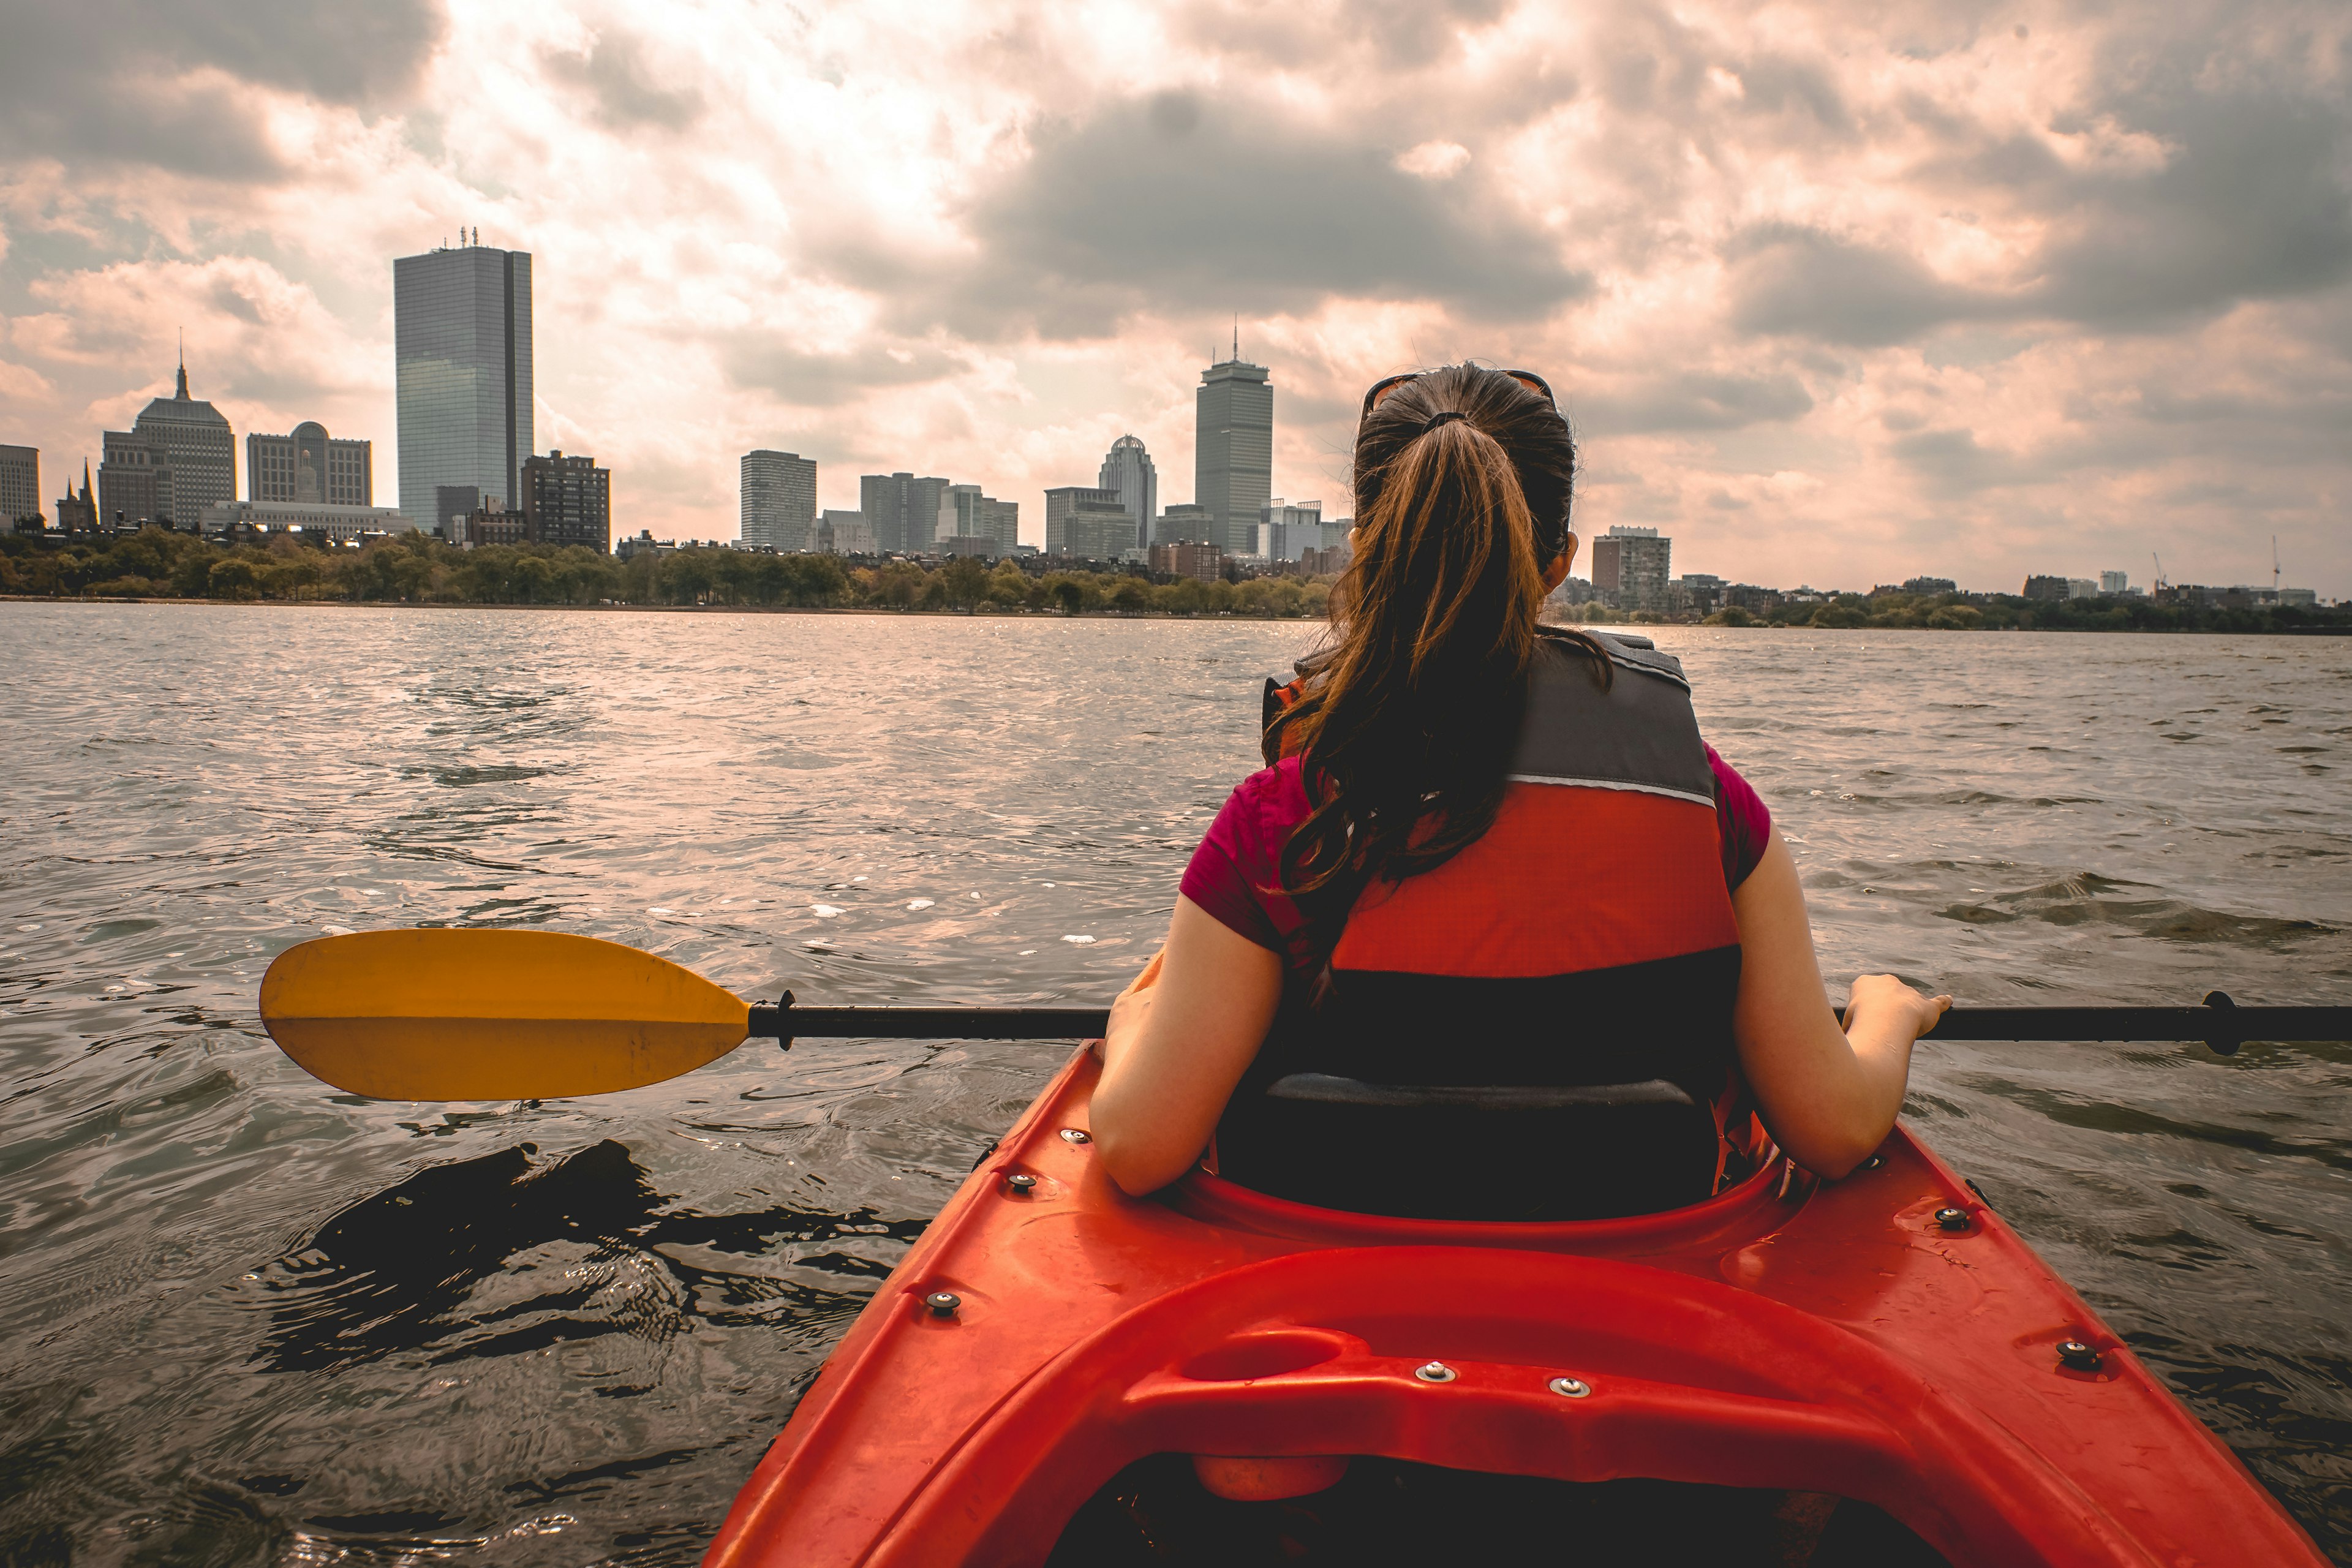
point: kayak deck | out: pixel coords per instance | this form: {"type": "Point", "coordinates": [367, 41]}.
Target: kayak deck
{"type": "Point", "coordinates": [1884, 1338]}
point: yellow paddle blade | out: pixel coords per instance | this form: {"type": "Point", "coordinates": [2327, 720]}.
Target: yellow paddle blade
{"type": "Point", "coordinates": [492, 1015]}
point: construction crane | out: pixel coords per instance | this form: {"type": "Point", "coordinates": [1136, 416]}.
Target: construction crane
{"type": "Point", "coordinates": [2160, 582]}
{"type": "Point", "coordinates": [2274, 569]}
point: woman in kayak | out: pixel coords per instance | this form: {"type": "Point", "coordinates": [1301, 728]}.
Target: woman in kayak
{"type": "Point", "coordinates": [1489, 853]}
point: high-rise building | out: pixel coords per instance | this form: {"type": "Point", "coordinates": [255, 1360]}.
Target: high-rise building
{"type": "Point", "coordinates": [78, 513]}
{"type": "Point", "coordinates": [1232, 454]}
{"type": "Point", "coordinates": [20, 483]}
{"type": "Point", "coordinates": [2112, 583]}
{"type": "Point", "coordinates": [1089, 523]}
{"type": "Point", "coordinates": [461, 335]}
{"type": "Point", "coordinates": [568, 500]}
{"type": "Point", "coordinates": [779, 500]}
{"type": "Point", "coordinates": [1287, 530]}
{"type": "Point", "coordinates": [902, 510]}
{"type": "Point", "coordinates": [1633, 566]}
{"type": "Point", "coordinates": [1128, 469]}
{"type": "Point", "coordinates": [1202, 562]}
{"type": "Point", "coordinates": [1186, 522]}
{"type": "Point", "coordinates": [178, 457]}
{"type": "Point", "coordinates": [310, 466]}
{"type": "Point", "coordinates": [966, 514]}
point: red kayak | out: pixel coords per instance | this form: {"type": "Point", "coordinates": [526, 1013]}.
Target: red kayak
{"type": "Point", "coordinates": [1874, 1370]}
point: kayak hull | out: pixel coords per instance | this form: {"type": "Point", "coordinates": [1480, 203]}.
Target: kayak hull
{"type": "Point", "coordinates": [1829, 1338]}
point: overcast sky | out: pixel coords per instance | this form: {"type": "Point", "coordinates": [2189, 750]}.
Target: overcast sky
{"type": "Point", "coordinates": [1832, 293]}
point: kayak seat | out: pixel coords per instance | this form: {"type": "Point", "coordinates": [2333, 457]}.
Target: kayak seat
{"type": "Point", "coordinates": [1532, 1151]}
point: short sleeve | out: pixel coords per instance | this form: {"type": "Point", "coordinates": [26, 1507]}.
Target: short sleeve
{"type": "Point", "coordinates": [1234, 872]}
{"type": "Point", "coordinates": [1746, 824]}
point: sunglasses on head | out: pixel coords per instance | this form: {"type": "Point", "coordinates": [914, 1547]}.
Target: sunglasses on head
{"type": "Point", "coordinates": [1387, 385]}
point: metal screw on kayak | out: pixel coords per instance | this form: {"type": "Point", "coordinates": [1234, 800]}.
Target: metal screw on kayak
{"type": "Point", "coordinates": [2078, 1355]}
{"type": "Point", "coordinates": [1023, 1183]}
{"type": "Point", "coordinates": [1569, 1387]}
{"type": "Point", "coordinates": [943, 1303]}
{"type": "Point", "coordinates": [1874, 1162]}
{"type": "Point", "coordinates": [1952, 1220]}
{"type": "Point", "coordinates": [1435, 1372]}
{"type": "Point", "coordinates": [1077, 1135]}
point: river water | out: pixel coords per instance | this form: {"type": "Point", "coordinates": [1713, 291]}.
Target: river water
{"type": "Point", "coordinates": [253, 1320]}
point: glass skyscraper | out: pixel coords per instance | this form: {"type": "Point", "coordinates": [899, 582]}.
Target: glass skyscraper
{"type": "Point", "coordinates": [1232, 454]}
{"type": "Point", "coordinates": [461, 333]}
{"type": "Point", "coordinates": [1127, 468]}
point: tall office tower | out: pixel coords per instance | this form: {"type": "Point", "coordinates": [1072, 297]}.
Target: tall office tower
{"type": "Point", "coordinates": [1632, 563]}
{"type": "Point", "coordinates": [310, 466]}
{"type": "Point", "coordinates": [1128, 469]}
{"type": "Point", "coordinates": [1186, 522]}
{"type": "Point", "coordinates": [461, 336]}
{"type": "Point", "coordinates": [2109, 583]}
{"type": "Point", "coordinates": [1285, 530]}
{"type": "Point", "coordinates": [78, 513]}
{"type": "Point", "coordinates": [1233, 453]}
{"type": "Point", "coordinates": [1088, 523]}
{"type": "Point", "coordinates": [20, 483]}
{"type": "Point", "coordinates": [779, 500]}
{"type": "Point", "coordinates": [1003, 524]}
{"type": "Point", "coordinates": [567, 500]}
{"type": "Point", "coordinates": [902, 510]}
{"type": "Point", "coordinates": [178, 457]}
{"type": "Point", "coordinates": [965, 513]}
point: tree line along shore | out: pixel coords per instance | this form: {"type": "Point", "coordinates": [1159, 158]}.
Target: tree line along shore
{"type": "Point", "coordinates": [158, 563]}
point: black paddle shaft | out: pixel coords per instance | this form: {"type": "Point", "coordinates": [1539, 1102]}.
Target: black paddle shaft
{"type": "Point", "coordinates": [2221, 1022]}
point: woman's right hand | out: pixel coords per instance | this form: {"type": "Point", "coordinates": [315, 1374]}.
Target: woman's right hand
{"type": "Point", "coordinates": [1885, 1004]}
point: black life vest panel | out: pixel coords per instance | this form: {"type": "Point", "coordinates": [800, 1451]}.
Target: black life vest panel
{"type": "Point", "coordinates": [1582, 950]}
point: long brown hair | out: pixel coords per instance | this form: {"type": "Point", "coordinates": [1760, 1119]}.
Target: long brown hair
{"type": "Point", "coordinates": [1408, 716]}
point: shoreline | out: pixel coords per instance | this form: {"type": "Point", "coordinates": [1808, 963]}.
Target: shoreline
{"type": "Point", "coordinates": [1637, 628]}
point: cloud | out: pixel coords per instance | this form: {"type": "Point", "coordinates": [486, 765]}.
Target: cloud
{"type": "Point", "coordinates": [169, 82]}
{"type": "Point", "coordinates": [620, 85]}
{"type": "Point", "coordinates": [1191, 199]}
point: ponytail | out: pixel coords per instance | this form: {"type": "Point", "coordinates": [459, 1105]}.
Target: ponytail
{"type": "Point", "coordinates": [1409, 715]}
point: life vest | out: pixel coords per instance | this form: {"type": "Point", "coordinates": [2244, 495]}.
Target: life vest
{"type": "Point", "coordinates": [1585, 941]}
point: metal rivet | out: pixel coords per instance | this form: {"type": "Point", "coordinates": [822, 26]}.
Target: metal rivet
{"type": "Point", "coordinates": [1952, 1220]}
{"type": "Point", "coordinates": [1874, 1162]}
{"type": "Point", "coordinates": [1569, 1387]}
{"type": "Point", "coordinates": [1077, 1135]}
{"type": "Point", "coordinates": [943, 1303]}
{"type": "Point", "coordinates": [2078, 1355]}
{"type": "Point", "coordinates": [1022, 1183]}
{"type": "Point", "coordinates": [1435, 1372]}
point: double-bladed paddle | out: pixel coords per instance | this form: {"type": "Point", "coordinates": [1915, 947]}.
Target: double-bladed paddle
{"type": "Point", "coordinates": [463, 1014]}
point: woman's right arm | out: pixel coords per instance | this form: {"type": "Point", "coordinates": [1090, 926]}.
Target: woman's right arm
{"type": "Point", "coordinates": [1830, 1095]}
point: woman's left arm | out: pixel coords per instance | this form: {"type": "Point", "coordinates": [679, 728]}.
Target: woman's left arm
{"type": "Point", "coordinates": [1180, 1038]}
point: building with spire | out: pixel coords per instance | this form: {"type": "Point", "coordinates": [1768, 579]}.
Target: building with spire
{"type": "Point", "coordinates": [79, 513]}
{"type": "Point", "coordinates": [1128, 469]}
{"type": "Point", "coordinates": [1233, 453]}
{"type": "Point", "coordinates": [462, 350]}
{"type": "Point", "coordinates": [178, 457]}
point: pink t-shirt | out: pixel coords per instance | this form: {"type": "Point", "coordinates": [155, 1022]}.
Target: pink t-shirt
{"type": "Point", "coordinates": [1240, 856]}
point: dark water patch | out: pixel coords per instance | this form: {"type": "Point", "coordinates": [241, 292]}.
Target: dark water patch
{"type": "Point", "coordinates": [108, 931]}
{"type": "Point", "coordinates": [2132, 1121]}
{"type": "Point", "coordinates": [2082, 901]}
{"type": "Point", "coordinates": [466, 777]}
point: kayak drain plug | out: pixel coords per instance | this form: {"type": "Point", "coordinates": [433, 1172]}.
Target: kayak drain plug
{"type": "Point", "coordinates": [1435, 1372]}
{"type": "Point", "coordinates": [1569, 1387]}
{"type": "Point", "coordinates": [1077, 1135]}
{"type": "Point", "coordinates": [1952, 1220]}
{"type": "Point", "coordinates": [1023, 1183]}
{"type": "Point", "coordinates": [943, 1303]}
{"type": "Point", "coordinates": [2078, 1355]}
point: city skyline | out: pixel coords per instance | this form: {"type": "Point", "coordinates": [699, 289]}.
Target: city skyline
{"type": "Point", "coordinates": [1826, 295]}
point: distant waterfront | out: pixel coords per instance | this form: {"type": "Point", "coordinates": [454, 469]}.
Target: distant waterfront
{"type": "Point", "coordinates": [417, 570]}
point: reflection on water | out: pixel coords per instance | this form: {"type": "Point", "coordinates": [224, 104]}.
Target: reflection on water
{"type": "Point", "coordinates": [254, 1321]}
